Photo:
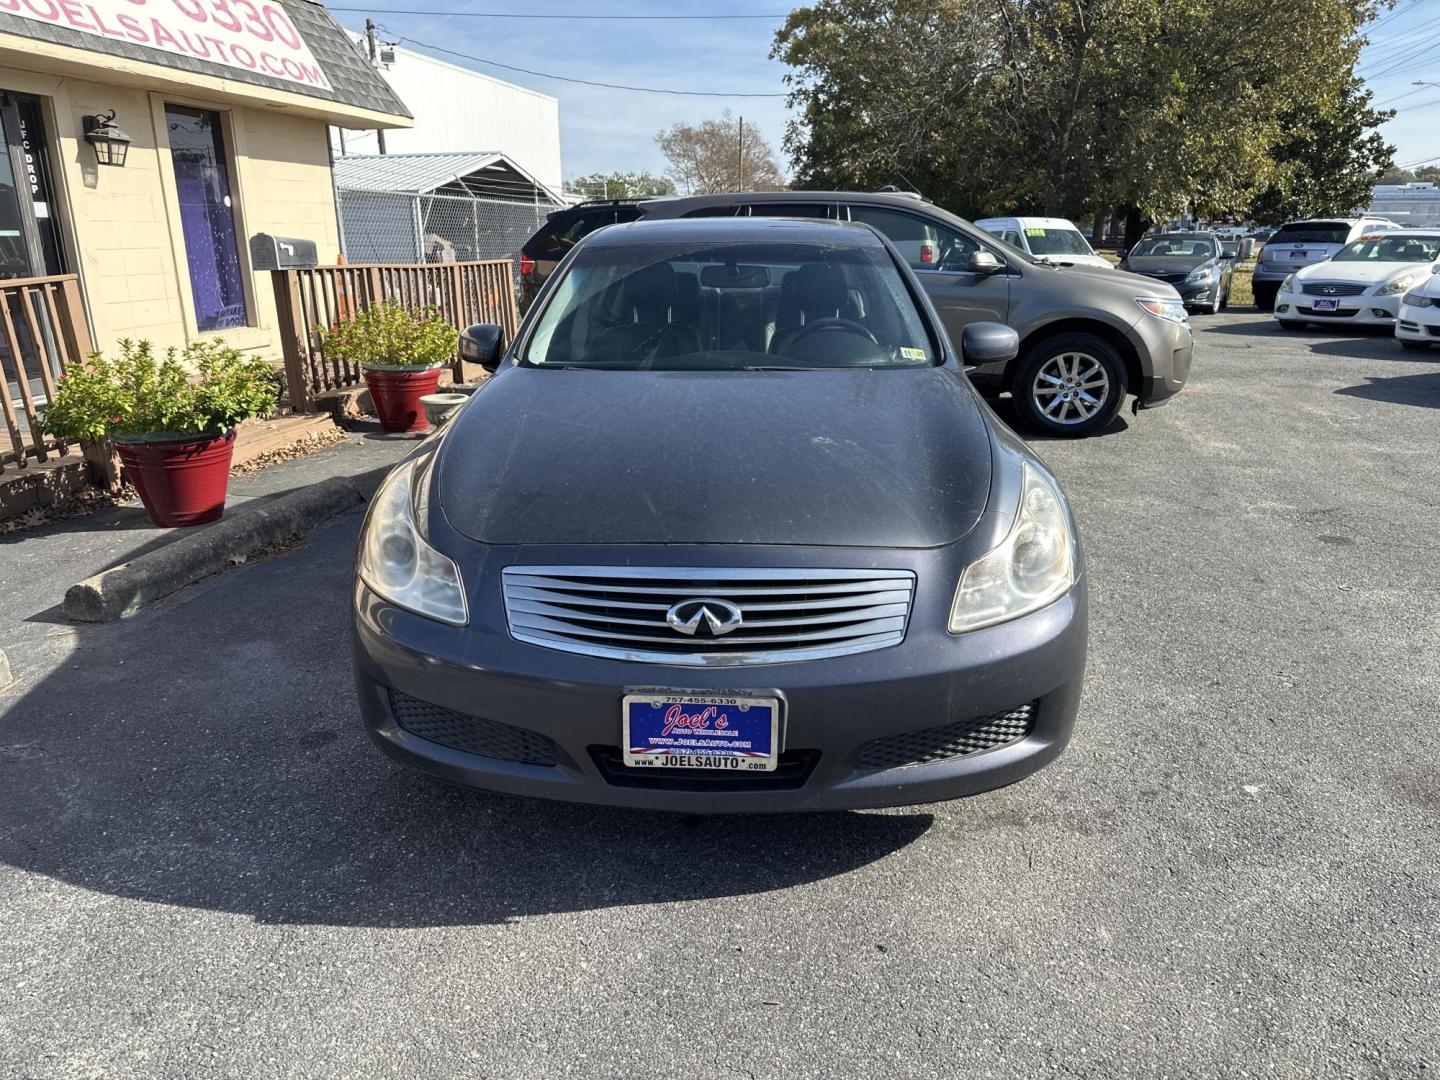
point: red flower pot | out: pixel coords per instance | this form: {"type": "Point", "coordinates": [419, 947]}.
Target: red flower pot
{"type": "Point", "coordinates": [180, 481]}
{"type": "Point", "coordinates": [397, 395]}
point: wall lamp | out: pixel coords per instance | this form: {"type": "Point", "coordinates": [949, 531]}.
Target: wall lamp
{"type": "Point", "coordinates": [110, 143]}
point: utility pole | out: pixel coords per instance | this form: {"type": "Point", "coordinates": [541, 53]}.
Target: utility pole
{"type": "Point", "coordinates": [370, 46]}
{"type": "Point", "coordinates": [740, 158]}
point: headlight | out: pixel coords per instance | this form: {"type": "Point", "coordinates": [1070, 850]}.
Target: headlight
{"type": "Point", "coordinates": [1201, 273]}
{"type": "Point", "coordinates": [1400, 284]}
{"type": "Point", "coordinates": [396, 561]}
{"type": "Point", "coordinates": [1288, 285]}
{"type": "Point", "coordinates": [1033, 566]}
{"type": "Point", "coordinates": [1171, 308]}
{"type": "Point", "coordinates": [1414, 299]}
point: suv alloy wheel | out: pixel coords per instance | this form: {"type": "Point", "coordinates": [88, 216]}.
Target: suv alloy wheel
{"type": "Point", "coordinates": [1070, 385]}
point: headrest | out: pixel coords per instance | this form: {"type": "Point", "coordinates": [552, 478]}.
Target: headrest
{"type": "Point", "coordinates": [651, 291]}
{"type": "Point", "coordinates": [821, 290]}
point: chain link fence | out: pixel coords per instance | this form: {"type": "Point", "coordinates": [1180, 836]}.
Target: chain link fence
{"type": "Point", "coordinates": [393, 227]}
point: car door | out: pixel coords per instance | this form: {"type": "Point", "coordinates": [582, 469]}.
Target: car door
{"type": "Point", "coordinates": [939, 256]}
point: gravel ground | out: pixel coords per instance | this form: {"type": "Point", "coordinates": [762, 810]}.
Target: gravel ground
{"type": "Point", "coordinates": [206, 871]}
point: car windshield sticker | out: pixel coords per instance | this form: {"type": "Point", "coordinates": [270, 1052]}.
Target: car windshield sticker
{"type": "Point", "coordinates": [908, 353]}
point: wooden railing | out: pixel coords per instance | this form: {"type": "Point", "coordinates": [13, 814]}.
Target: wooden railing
{"type": "Point", "coordinates": [309, 301]}
{"type": "Point", "coordinates": [43, 331]}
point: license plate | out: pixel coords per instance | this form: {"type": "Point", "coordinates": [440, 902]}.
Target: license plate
{"type": "Point", "coordinates": [1297, 254]}
{"type": "Point", "coordinates": [670, 729]}
{"type": "Point", "coordinates": [1326, 305]}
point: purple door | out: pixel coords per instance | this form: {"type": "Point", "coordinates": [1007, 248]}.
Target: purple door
{"type": "Point", "coordinates": [197, 149]}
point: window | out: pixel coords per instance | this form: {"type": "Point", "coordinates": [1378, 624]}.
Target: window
{"type": "Point", "coordinates": [29, 240]}
{"type": "Point", "coordinates": [924, 244]}
{"type": "Point", "coordinates": [800, 210]}
{"type": "Point", "coordinates": [207, 219]}
{"type": "Point", "coordinates": [1311, 232]}
{"type": "Point", "coordinates": [731, 307]}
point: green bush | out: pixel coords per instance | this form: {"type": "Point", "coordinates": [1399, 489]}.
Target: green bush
{"type": "Point", "coordinates": [388, 337]}
{"type": "Point", "coordinates": [205, 389]}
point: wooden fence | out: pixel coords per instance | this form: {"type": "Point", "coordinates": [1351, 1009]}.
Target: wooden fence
{"type": "Point", "coordinates": [309, 301]}
{"type": "Point", "coordinates": [43, 330]}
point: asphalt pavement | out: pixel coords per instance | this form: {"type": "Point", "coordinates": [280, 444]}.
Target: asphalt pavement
{"type": "Point", "coordinates": [207, 871]}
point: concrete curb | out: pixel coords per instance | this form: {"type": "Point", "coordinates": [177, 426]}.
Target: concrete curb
{"type": "Point", "coordinates": [125, 589]}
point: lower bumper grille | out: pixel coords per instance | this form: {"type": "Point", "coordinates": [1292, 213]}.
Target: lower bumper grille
{"type": "Point", "coordinates": [1342, 313]}
{"type": "Point", "coordinates": [951, 741]}
{"type": "Point", "coordinates": [472, 734]}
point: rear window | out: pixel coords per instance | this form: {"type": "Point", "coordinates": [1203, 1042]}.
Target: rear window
{"type": "Point", "coordinates": [1311, 232]}
{"type": "Point", "coordinates": [565, 230]}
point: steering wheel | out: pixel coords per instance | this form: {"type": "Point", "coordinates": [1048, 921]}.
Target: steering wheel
{"type": "Point", "coordinates": [820, 326]}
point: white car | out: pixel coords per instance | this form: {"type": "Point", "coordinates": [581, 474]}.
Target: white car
{"type": "Point", "coordinates": [1362, 283]}
{"type": "Point", "coordinates": [1418, 324]}
{"type": "Point", "coordinates": [1048, 239]}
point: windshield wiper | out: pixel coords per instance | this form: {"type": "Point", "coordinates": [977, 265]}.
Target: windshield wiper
{"type": "Point", "coordinates": [777, 367]}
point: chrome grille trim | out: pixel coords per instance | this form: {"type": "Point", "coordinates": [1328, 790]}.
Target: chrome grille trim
{"type": "Point", "coordinates": [1334, 289]}
{"type": "Point", "coordinates": [790, 614]}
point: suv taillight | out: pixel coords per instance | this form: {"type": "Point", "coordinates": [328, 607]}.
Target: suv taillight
{"type": "Point", "coordinates": [527, 265]}
{"type": "Point", "coordinates": [928, 253]}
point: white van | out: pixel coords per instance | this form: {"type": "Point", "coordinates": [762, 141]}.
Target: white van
{"type": "Point", "coordinates": [1048, 239]}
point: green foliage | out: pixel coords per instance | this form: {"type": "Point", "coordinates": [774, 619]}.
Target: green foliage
{"type": "Point", "coordinates": [1071, 107]}
{"type": "Point", "coordinates": [387, 336]}
{"type": "Point", "coordinates": [205, 389]}
{"type": "Point", "coordinates": [622, 185]}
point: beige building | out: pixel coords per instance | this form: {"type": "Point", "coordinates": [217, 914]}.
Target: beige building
{"type": "Point", "coordinates": [226, 106]}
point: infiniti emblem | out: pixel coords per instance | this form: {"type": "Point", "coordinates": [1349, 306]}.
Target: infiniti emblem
{"type": "Point", "coordinates": [720, 616]}
{"type": "Point", "coordinates": [1328, 290]}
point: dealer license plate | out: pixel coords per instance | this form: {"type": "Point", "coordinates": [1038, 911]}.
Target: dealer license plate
{"type": "Point", "coordinates": [676, 730]}
{"type": "Point", "coordinates": [1298, 254]}
{"type": "Point", "coordinates": [1326, 305]}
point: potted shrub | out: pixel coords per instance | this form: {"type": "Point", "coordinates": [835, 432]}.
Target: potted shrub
{"type": "Point", "coordinates": [172, 420]}
{"type": "Point", "coordinates": [401, 354]}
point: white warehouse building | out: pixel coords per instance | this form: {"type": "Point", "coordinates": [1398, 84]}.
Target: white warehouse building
{"type": "Point", "coordinates": [457, 110]}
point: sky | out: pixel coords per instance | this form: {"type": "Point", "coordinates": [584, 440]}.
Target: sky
{"type": "Point", "coordinates": [604, 130]}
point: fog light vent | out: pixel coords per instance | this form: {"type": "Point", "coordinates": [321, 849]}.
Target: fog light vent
{"type": "Point", "coordinates": [951, 741]}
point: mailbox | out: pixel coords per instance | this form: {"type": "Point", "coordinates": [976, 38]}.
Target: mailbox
{"type": "Point", "coordinates": [281, 253]}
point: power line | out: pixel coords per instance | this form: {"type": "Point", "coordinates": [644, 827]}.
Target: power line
{"type": "Point", "coordinates": [514, 15]}
{"type": "Point", "coordinates": [583, 82]}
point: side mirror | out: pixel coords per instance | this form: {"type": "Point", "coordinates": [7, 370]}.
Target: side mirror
{"type": "Point", "coordinates": [1120, 253]}
{"type": "Point", "coordinates": [988, 343]}
{"type": "Point", "coordinates": [483, 344]}
{"type": "Point", "coordinates": [983, 262]}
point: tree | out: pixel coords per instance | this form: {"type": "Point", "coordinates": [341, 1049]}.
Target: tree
{"type": "Point", "coordinates": [719, 155]}
{"type": "Point", "coordinates": [1067, 107]}
{"type": "Point", "coordinates": [1329, 160]}
{"type": "Point", "coordinates": [622, 185]}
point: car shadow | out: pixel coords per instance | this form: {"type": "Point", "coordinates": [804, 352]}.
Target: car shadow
{"type": "Point", "coordinates": [208, 753]}
{"type": "Point", "coordinates": [1005, 409]}
{"type": "Point", "coordinates": [1422, 391]}
{"type": "Point", "coordinates": [1375, 348]}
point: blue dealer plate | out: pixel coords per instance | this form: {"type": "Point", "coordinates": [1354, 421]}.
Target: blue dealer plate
{"type": "Point", "coordinates": [1326, 305]}
{"type": "Point", "coordinates": [669, 729]}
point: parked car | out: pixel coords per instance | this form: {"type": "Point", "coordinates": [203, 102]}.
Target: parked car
{"type": "Point", "coordinates": [1194, 263]}
{"type": "Point", "coordinates": [563, 229]}
{"type": "Point", "coordinates": [1300, 243]}
{"type": "Point", "coordinates": [1417, 324]}
{"type": "Point", "coordinates": [1362, 283]}
{"type": "Point", "coordinates": [1135, 328]}
{"type": "Point", "coordinates": [627, 570]}
{"type": "Point", "coordinates": [1045, 239]}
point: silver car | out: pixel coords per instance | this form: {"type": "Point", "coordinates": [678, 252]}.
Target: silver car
{"type": "Point", "coordinates": [1089, 337]}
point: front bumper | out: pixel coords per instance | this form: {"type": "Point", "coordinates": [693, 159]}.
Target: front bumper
{"type": "Point", "coordinates": [833, 708]}
{"type": "Point", "coordinates": [1197, 293]}
{"type": "Point", "coordinates": [1167, 351]}
{"type": "Point", "coordinates": [1360, 310]}
{"type": "Point", "coordinates": [1418, 324]}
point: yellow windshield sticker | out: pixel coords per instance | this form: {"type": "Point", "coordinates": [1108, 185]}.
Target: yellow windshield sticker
{"type": "Point", "coordinates": [908, 353]}
{"type": "Point", "coordinates": [1032, 231]}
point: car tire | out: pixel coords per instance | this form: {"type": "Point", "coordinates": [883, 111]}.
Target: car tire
{"type": "Point", "coordinates": [1291, 324]}
{"type": "Point", "coordinates": [1414, 346]}
{"type": "Point", "coordinates": [1215, 304]}
{"type": "Point", "coordinates": [1264, 301]}
{"type": "Point", "coordinates": [1225, 300]}
{"type": "Point", "coordinates": [1077, 365]}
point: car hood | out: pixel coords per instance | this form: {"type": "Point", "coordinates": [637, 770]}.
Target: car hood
{"type": "Point", "coordinates": [1164, 264]}
{"type": "Point", "coordinates": [1359, 273]}
{"type": "Point", "coordinates": [849, 457]}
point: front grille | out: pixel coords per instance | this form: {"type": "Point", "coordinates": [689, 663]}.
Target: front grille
{"type": "Point", "coordinates": [951, 741]}
{"type": "Point", "coordinates": [1341, 313]}
{"type": "Point", "coordinates": [786, 615]}
{"type": "Point", "coordinates": [790, 773]}
{"type": "Point", "coordinates": [473, 734]}
{"type": "Point", "coordinates": [1321, 289]}
{"type": "Point", "coordinates": [1173, 279]}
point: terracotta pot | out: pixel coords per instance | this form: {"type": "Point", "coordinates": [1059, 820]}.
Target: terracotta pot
{"type": "Point", "coordinates": [397, 395]}
{"type": "Point", "coordinates": [180, 481]}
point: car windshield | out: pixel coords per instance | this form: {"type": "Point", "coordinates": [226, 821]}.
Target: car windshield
{"type": "Point", "coordinates": [1311, 232]}
{"type": "Point", "coordinates": [1056, 241]}
{"type": "Point", "coordinates": [1391, 247]}
{"type": "Point", "coordinates": [1174, 247]}
{"type": "Point", "coordinates": [731, 307]}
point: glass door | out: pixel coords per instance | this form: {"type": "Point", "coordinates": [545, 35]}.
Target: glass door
{"type": "Point", "coordinates": [207, 219]}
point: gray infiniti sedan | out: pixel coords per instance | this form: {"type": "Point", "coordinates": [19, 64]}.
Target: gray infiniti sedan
{"type": "Point", "coordinates": [728, 530]}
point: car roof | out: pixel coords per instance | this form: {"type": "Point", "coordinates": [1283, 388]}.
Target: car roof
{"type": "Point", "coordinates": [1029, 222]}
{"type": "Point", "coordinates": [1180, 236]}
{"type": "Point", "coordinates": [735, 198]}
{"type": "Point", "coordinates": [740, 230]}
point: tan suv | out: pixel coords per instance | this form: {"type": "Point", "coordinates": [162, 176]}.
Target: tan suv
{"type": "Point", "coordinates": [1088, 336]}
